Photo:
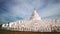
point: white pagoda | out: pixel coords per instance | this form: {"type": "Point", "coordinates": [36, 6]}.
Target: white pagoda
{"type": "Point", "coordinates": [35, 24]}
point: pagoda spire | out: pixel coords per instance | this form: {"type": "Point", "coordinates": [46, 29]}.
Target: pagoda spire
{"type": "Point", "coordinates": [35, 15]}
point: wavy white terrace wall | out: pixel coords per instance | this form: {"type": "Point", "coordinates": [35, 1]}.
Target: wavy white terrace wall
{"type": "Point", "coordinates": [38, 25]}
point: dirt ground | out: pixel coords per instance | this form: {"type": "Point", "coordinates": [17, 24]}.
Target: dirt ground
{"type": "Point", "coordinates": [18, 32]}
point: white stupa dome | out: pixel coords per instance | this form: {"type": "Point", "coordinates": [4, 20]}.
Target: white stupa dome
{"type": "Point", "coordinates": [35, 16]}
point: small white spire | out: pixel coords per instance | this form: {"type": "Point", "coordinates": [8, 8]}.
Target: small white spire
{"type": "Point", "coordinates": [35, 16]}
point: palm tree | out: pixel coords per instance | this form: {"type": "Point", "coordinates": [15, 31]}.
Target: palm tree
{"type": "Point", "coordinates": [0, 25]}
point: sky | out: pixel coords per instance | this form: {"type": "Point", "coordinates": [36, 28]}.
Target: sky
{"type": "Point", "coordinates": [13, 10]}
